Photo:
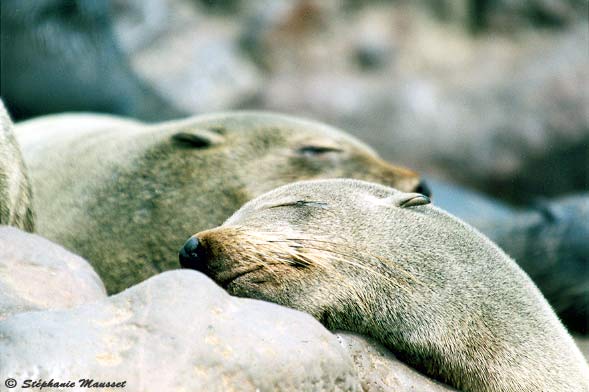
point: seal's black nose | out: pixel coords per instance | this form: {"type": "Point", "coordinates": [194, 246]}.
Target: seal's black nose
{"type": "Point", "coordinates": [191, 254]}
{"type": "Point", "coordinates": [423, 188]}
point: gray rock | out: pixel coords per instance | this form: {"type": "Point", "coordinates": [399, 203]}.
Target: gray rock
{"type": "Point", "coordinates": [532, 139]}
{"type": "Point", "coordinates": [177, 331]}
{"type": "Point", "coordinates": [36, 274]}
{"type": "Point", "coordinates": [380, 371]}
{"type": "Point", "coordinates": [192, 60]}
{"type": "Point", "coordinates": [505, 116]}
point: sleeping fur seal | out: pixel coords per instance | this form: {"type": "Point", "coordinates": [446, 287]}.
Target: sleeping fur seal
{"type": "Point", "coordinates": [371, 259]}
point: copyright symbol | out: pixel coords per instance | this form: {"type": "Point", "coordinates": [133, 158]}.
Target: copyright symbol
{"type": "Point", "coordinates": [10, 382]}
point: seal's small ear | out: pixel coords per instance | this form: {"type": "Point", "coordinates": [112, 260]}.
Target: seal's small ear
{"type": "Point", "coordinates": [405, 200]}
{"type": "Point", "coordinates": [197, 137]}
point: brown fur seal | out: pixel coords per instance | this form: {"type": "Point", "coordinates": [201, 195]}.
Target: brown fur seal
{"type": "Point", "coordinates": [124, 194]}
{"type": "Point", "coordinates": [370, 259]}
{"type": "Point", "coordinates": [15, 190]}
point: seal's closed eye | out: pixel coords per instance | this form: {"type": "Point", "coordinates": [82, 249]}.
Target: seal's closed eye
{"type": "Point", "coordinates": [198, 138]}
{"type": "Point", "coordinates": [301, 203]}
{"type": "Point", "coordinates": [405, 200]}
{"type": "Point", "coordinates": [317, 150]}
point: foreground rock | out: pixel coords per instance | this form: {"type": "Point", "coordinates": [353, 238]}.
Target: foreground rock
{"type": "Point", "coordinates": [177, 331]}
{"type": "Point", "coordinates": [380, 371]}
{"type": "Point", "coordinates": [37, 274]}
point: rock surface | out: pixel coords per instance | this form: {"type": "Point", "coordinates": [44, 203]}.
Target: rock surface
{"type": "Point", "coordinates": [37, 274]}
{"type": "Point", "coordinates": [380, 371]}
{"type": "Point", "coordinates": [177, 331]}
{"type": "Point", "coordinates": [485, 113]}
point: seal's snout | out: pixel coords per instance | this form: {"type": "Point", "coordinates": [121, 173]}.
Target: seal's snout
{"type": "Point", "coordinates": [424, 189]}
{"type": "Point", "coordinates": [191, 254]}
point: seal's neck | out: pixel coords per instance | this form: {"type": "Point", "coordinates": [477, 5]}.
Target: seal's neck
{"type": "Point", "coordinates": [398, 318]}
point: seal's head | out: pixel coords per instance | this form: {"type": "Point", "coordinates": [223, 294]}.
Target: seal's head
{"type": "Point", "coordinates": [266, 150]}
{"type": "Point", "coordinates": [316, 246]}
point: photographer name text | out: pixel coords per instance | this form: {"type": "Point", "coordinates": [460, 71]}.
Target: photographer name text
{"type": "Point", "coordinates": [81, 383]}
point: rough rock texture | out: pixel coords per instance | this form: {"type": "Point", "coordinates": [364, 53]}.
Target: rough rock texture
{"type": "Point", "coordinates": [37, 274]}
{"type": "Point", "coordinates": [380, 371]}
{"type": "Point", "coordinates": [177, 331]}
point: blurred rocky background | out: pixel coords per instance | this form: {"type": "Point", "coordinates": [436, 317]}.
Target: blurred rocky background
{"type": "Point", "coordinates": [492, 94]}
